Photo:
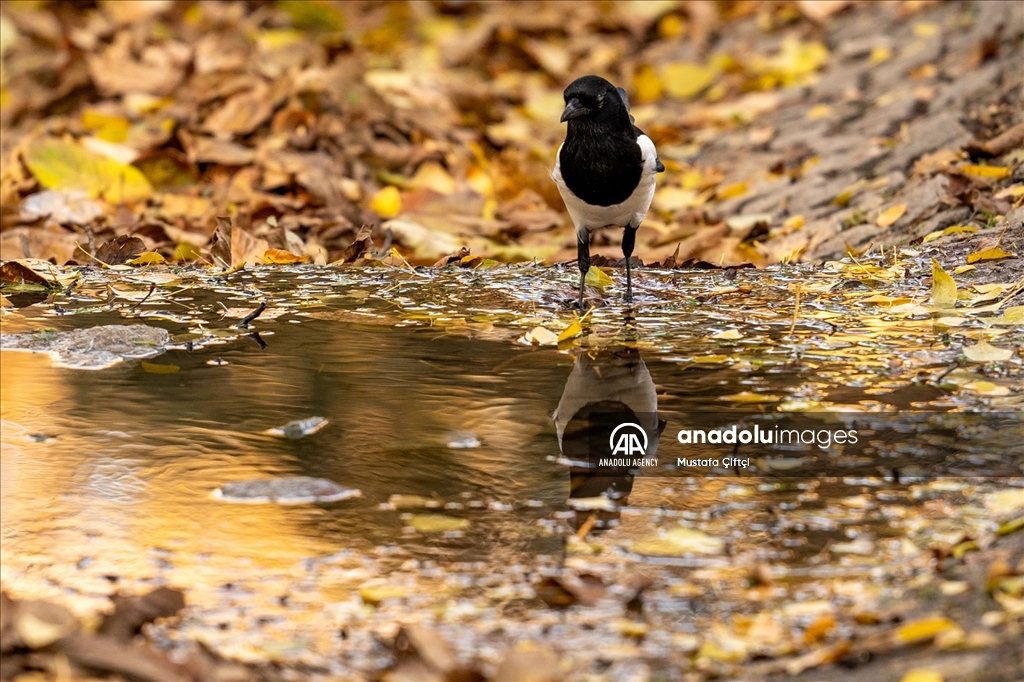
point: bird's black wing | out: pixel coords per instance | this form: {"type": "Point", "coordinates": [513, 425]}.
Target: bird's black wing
{"type": "Point", "coordinates": [625, 100]}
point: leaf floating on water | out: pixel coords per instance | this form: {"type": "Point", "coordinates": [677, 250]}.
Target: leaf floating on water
{"type": "Point", "coordinates": [400, 501]}
{"type": "Point", "coordinates": [678, 542]}
{"type": "Point", "coordinates": [287, 490]}
{"type": "Point", "coordinates": [994, 253]}
{"type": "Point", "coordinates": [598, 279]}
{"type": "Point", "coordinates": [943, 287]}
{"type": "Point", "coordinates": [539, 336]}
{"type": "Point", "coordinates": [300, 428]}
{"type": "Point", "coordinates": [983, 351]}
{"type": "Point", "coordinates": [14, 275]}
{"type": "Point", "coordinates": [728, 335]}
{"type": "Point", "coordinates": [157, 368]}
{"type": "Point", "coordinates": [573, 330]}
{"type": "Point", "coordinates": [437, 523]}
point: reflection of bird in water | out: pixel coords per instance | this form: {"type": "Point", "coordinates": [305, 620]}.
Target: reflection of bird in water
{"type": "Point", "coordinates": [606, 388]}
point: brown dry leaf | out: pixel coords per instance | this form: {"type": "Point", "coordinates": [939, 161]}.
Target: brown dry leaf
{"type": "Point", "coordinates": [242, 113]}
{"type": "Point", "coordinates": [14, 274]}
{"type": "Point", "coordinates": [158, 72]}
{"type": "Point", "coordinates": [282, 257]}
{"type": "Point", "coordinates": [120, 250]}
{"type": "Point", "coordinates": [890, 215]}
{"type": "Point", "coordinates": [363, 243]}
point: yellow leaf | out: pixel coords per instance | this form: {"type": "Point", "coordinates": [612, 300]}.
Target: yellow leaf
{"type": "Point", "coordinates": [437, 523]}
{"type": "Point", "coordinates": [597, 278]}
{"type": "Point", "coordinates": [62, 164]}
{"type": "Point", "coordinates": [879, 54]}
{"type": "Point", "coordinates": [185, 252]}
{"type": "Point", "coordinates": [921, 630]}
{"type": "Point", "coordinates": [819, 111]}
{"type": "Point", "coordinates": [891, 215]}
{"type": "Point", "coordinates": [572, 331]}
{"type": "Point", "coordinates": [994, 253]}
{"type": "Point", "coordinates": [996, 172]}
{"type": "Point", "coordinates": [711, 358]}
{"type": "Point", "coordinates": [1011, 526]}
{"type": "Point", "coordinates": [282, 257]}
{"type": "Point", "coordinates": [387, 202]}
{"type": "Point", "coordinates": [921, 675]}
{"type": "Point", "coordinates": [431, 175]}
{"type": "Point", "coordinates": [729, 191]}
{"type": "Point", "coordinates": [986, 388]}
{"type": "Point", "coordinates": [955, 229]}
{"type": "Point", "coordinates": [692, 179]}
{"type": "Point", "coordinates": [107, 127]}
{"type": "Point", "coordinates": [156, 368]}
{"type": "Point", "coordinates": [749, 397]}
{"type": "Point", "coordinates": [728, 335]}
{"type": "Point", "coordinates": [961, 269]}
{"type": "Point", "coordinates": [375, 594]}
{"type": "Point", "coordinates": [943, 287]}
{"type": "Point", "coordinates": [983, 351]}
{"type": "Point", "coordinates": [925, 29]}
{"type": "Point", "coordinates": [794, 222]}
{"type": "Point", "coordinates": [147, 258]}
{"type": "Point", "coordinates": [1011, 317]}
{"type": "Point", "coordinates": [646, 85]}
{"type": "Point", "coordinates": [686, 79]}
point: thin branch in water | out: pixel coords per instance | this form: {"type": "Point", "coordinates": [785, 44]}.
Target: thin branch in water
{"type": "Point", "coordinates": [252, 316]}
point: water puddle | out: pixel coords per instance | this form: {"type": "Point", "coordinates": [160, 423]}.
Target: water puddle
{"type": "Point", "coordinates": [465, 446]}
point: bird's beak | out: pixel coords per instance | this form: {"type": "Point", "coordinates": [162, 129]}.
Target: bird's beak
{"type": "Point", "coordinates": [573, 109]}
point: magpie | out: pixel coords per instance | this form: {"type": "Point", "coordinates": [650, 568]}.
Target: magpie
{"type": "Point", "coordinates": [605, 169]}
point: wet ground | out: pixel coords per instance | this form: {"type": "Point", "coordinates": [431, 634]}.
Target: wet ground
{"type": "Point", "coordinates": [463, 438]}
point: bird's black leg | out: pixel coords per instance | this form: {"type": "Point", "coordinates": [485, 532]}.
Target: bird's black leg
{"type": "Point", "coordinates": [628, 241]}
{"type": "Point", "coordinates": [583, 259]}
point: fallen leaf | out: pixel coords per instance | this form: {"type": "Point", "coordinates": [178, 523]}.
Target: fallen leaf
{"type": "Point", "coordinates": [573, 330]}
{"type": "Point", "coordinates": [387, 202]}
{"type": "Point", "coordinates": [943, 287]}
{"type": "Point", "coordinates": [539, 336]}
{"type": "Point", "coordinates": [437, 523]}
{"type": "Point", "coordinates": [994, 172]}
{"type": "Point", "coordinates": [157, 368]}
{"type": "Point", "coordinates": [955, 229]}
{"type": "Point", "coordinates": [120, 250]}
{"type": "Point", "coordinates": [891, 215]}
{"type": "Point", "coordinates": [65, 165]}
{"type": "Point", "coordinates": [282, 257]}
{"type": "Point", "coordinates": [686, 79]}
{"type": "Point", "coordinates": [985, 352]}
{"type": "Point", "coordinates": [921, 675]}
{"type": "Point", "coordinates": [922, 630]}
{"type": "Point", "coordinates": [14, 275]}
{"type": "Point", "coordinates": [993, 253]}
{"type": "Point", "coordinates": [147, 258]}
{"type": "Point", "coordinates": [597, 278]}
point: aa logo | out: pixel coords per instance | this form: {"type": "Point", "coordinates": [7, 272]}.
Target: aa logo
{"type": "Point", "coordinates": [628, 439]}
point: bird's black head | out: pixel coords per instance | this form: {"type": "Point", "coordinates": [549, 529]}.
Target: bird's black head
{"type": "Point", "coordinates": [595, 99]}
